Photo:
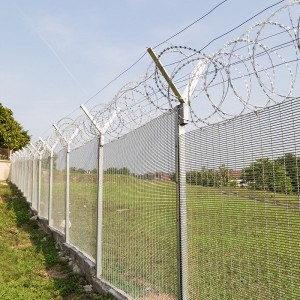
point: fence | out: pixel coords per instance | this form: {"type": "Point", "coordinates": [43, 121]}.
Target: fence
{"type": "Point", "coordinates": [166, 211]}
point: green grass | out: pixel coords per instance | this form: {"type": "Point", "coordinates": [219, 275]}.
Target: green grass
{"type": "Point", "coordinates": [249, 248]}
{"type": "Point", "coordinates": [242, 244]}
{"type": "Point", "coordinates": [30, 267]}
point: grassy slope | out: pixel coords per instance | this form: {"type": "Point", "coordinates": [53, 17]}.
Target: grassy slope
{"type": "Point", "coordinates": [243, 244]}
{"type": "Point", "coordinates": [29, 265]}
{"type": "Point", "coordinates": [239, 247]}
{"type": "Point", "coordinates": [243, 248]}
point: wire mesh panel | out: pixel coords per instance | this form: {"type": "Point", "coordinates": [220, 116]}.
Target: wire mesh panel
{"type": "Point", "coordinates": [45, 177]}
{"type": "Point", "coordinates": [83, 197]}
{"type": "Point", "coordinates": [243, 206]}
{"type": "Point", "coordinates": [139, 211]}
{"type": "Point", "coordinates": [29, 180]}
{"type": "Point", "coordinates": [59, 190]}
{"type": "Point", "coordinates": [26, 177]}
{"type": "Point", "coordinates": [35, 183]}
{"type": "Point", "coordinates": [16, 170]}
{"type": "Point", "coordinates": [21, 174]}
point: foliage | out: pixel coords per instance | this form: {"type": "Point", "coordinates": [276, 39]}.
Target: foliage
{"type": "Point", "coordinates": [291, 163]}
{"type": "Point", "coordinates": [268, 175]}
{"type": "Point", "coordinates": [77, 170]}
{"type": "Point", "coordinates": [121, 171]}
{"type": "Point", "coordinates": [210, 177]}
{"type": "Point", "coordinates": [281, 175]}
{"type": "Point", "coordinates": [12, 135]}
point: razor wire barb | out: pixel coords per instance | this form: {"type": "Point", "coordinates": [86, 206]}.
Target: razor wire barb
{"type": "Point", "coordinates": [257, 69]}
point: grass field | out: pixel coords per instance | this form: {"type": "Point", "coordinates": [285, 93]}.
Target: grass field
{"type": "Point", "coordinates": [30, 268]}
{"type": "Point", "coordinates": [243, 248]}
{"type": "Point", "coordinates": [242, 244]}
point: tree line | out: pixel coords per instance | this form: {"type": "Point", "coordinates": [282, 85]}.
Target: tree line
{"type": "Point", "coordinates": [279, 175]}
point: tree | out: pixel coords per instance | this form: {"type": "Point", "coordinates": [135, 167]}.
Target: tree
{"type": "Point", "coordinates": [12, 135]}
{"type": "Point", "coordinates": [223, 176]}
{"type": "Point", "coordinates": [124, 171]}
{"type": "Point", "coordinates": [291, 163]}
{"type": "Point", "coordinates": [264, 174]}
{"type": "Point", "coordinates": [111, 170]}
{"type": "Point", "coordinates": [210, 177]}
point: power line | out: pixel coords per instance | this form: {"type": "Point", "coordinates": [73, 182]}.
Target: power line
{"type": "Point", "coordinates": [176, 34]}
{"type": "Point", "coordinates": [271, 50]}
{"type": "Point", "coordinates": [241, 61]}
{"type": "Point", "coordinates": [190, 25]}
{"type": "Point", "coordinates": [184, 77]}
{"type": "Point", "coordinates": [116, 78]}
{"type": "Point", "coordinates": [168, 39]}
{"type": "Point", "coordinates": [179, 32]}
{"type": "Point", "coordinates": [218, 37]}
{"type": "Point", "coordinates": [238, 26]}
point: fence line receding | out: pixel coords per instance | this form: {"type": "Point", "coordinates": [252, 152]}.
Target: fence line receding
{"type": "Point", "coordinates": [187, 184]}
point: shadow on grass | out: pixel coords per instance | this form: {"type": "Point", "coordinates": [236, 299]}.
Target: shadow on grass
{"type": "Point", "coordinates": [67, 284]}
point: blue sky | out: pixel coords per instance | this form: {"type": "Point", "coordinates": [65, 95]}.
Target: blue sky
{"type": "Point", "coordinates": [56, 54]}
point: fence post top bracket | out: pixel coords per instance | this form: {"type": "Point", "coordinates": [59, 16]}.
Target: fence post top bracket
{"type": "Point", "coordinates": [102, 130]}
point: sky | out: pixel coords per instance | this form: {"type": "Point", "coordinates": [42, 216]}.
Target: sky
{"type": "Point", "coordinates": [55, 55]}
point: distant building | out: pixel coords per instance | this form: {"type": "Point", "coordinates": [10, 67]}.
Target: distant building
{"type": "Point", "coordinates": [163, 176]}
{"type": "Point", "coordinates": [236, 174]}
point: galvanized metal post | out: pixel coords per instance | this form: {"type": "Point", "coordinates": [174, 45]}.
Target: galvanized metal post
{"type": "Point", "coordinates": [182, 248]}
{"type": "Point", "coordinates": [181, 120]}
{"type": "Point", "coordinates": [99, 207]}
{"type": "Point", "coordinates": [67, 204]}
{"type": "Point", "coordinates": [101, 132]}
{"type": "Point", "coordinates": [67, 208]}
{"type": "Point", "coordinates": [182, 230]}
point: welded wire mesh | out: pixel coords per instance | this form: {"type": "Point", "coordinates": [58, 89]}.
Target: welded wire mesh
{"type": "Point", "coordinates": [15, 171]}
{"type": "Point", "coordinates": [83, 197]}
{"type": "Point", "coordinates": [26, 175]}
{"type": "Point", "coordinates": [35, 183]}
{"type": "Point", "coordinates": [45, 184]}
{"type": "Point", "coordinates": [29, 180]}
{"type": "Point", "coordinates": [241, 176]}
{"type": "Point", "coordinates": [59, 190]}
{"type": "Point", "coordinates": [23, 175]}
{"type": "Point", "coordinates": [139, 211]}
{"type": "Point", "coordinates": [243, 206]}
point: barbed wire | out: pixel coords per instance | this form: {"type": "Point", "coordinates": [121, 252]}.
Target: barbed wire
{"type": "Point", "coordinates": [222, 65]}
{"type": "Point", "coordinates": [257, 69]}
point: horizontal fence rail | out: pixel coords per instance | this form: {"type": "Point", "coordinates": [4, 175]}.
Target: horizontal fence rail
{"type": "Point", "coordinates": [187, 184]}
